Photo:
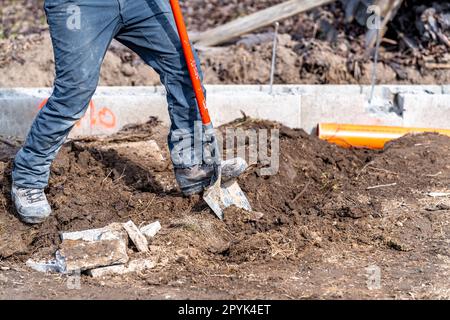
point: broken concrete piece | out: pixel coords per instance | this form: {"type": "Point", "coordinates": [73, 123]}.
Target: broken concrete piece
{"type": "Point", "coordinates": [112, 231]}
{"type": "Point", "coordinates": [80, 255]}
{"type": "Point", "coordinates": [139, 240]}
{"type": "Point", "coordinates": [50, 266]}
{"type": "Point", "coordinates": [150, 230]}
{"type": "Point", "coordinates": [439, 194]}
{"type": "Point", "coordinates": [139, 265]}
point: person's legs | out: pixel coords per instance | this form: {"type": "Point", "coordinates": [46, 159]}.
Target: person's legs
{"type": "Point", "coordinates": [81, 32]}
{"type": "Point", "coordinates": [151, 32]}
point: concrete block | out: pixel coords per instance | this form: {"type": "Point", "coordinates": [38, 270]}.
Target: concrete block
{"type": "Point", "coordinates": [150, 230]}
{"type": "Point", "coordinates": [295, 89]}
{"type": "Point", "coordinates": [446, 89]}
{"type": "Point", "coordinates": [228, 106]}
{"type": "Point", "coordinates": [139, 265]}
{"type": "Point", "coordinates": [17, 115]}
{"type": "Point", "coordinates": [139, 240]}
{"type": "Point", "coordinates": [46, 266]}
{"type": "Point", "coordinates": [297, 106]}
{"type": "Point", "coordinates": [341, 109]}
{"type": "Point", "coordinates": [18, 108]}
{"type": "Point", "coordinates": [108, 113]}
{"type": "Point", "coordinates": [110, 232]}
{"type": "Point", "coordinates": [427, 111]}
{"type": "Point", "coordinates": [79, 255]}
{"type": "Point", "coordinates": [388, 90]}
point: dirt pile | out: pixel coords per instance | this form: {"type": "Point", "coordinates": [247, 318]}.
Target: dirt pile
{"type": "Point", "coordinates": [327, 208]}
{"type": "Point", "coordinates": [318, 195]}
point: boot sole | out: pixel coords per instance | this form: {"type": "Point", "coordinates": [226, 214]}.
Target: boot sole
{"type": "Point", "coordinates": [195, 188]}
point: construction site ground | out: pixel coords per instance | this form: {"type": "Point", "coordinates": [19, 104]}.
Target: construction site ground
{"type": "Point", "coordinates": [332, 223]}
{"type": "Point", "coordinates": [319, 226]}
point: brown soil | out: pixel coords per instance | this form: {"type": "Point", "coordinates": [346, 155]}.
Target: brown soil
{"type": "Point", "coordinates": [321, 228]}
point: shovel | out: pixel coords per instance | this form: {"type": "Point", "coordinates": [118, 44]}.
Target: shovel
{"type": "Point", "coordinates": [218, 196]}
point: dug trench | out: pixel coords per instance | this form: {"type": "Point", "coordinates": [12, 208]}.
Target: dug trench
{"type": "Point", "coordinates": [318, 223]}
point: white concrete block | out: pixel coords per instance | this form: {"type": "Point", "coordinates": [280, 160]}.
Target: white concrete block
{"type": "Point", "coordinates": [139, 240]}
{"type": "Point", "coordinates": [46, 266]}
{"type": "Point", "coordinates": [107, 114]}
{"type": "Point", "coordinates": [341, 109]}
{"type": "Point", "coordinates": [427, 111]}
{"type": "Point", "coordinates": [228, 106]}
{"type": "Point", "coordinates": [133, 266]}
{"type": "Point", "coordinates": [150, 230]}
{"type": "Point", "coordinates": [112, 231]}
{"type": "Point", "coordinates": [293, 105]}
{"type": "Point", "coordinates": [79, 255]}
{"type": "Point", "coordinates": [446, 89]}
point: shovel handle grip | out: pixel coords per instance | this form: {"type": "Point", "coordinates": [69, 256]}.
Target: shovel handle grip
{"type": "Point", "coordinates": [190, 61]}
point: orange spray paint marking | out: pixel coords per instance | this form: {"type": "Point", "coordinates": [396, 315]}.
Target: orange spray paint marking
{"type": "Point", "coordinates": [107, 118]}
{"type": "Point", "coordinates": [43, 103]}
{"type": "Point", "coordinates": [93, 120]}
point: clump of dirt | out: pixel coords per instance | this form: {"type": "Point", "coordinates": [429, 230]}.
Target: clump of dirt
{"type": "Point", "coordinates": [317, 197]}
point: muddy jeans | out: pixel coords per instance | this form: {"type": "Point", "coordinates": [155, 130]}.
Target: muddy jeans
{"type": "Point", "coordinates": [81, 31]}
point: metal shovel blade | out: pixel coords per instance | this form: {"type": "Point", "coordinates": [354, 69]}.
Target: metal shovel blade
{"type": "Point", "coordinates": [221, 196]}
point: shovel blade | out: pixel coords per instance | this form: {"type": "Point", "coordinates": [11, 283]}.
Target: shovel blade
{"type": "Point", "coordinates": [221, 196]}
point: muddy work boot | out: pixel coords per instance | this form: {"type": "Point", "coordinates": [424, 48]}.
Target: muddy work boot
{"type": "Point", "coordinates": [195, 179]}
{"type": "Point", "coordinates": [31, 204]}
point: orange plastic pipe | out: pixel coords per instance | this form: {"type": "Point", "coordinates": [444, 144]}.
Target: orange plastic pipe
{"type": "Point", "coordinates": [366, 136]}
{"type": "Point", "coordinates": [190, 61]}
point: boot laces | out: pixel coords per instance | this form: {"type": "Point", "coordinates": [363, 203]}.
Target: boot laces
{"type": "Point", "coordinates": [34, 195]}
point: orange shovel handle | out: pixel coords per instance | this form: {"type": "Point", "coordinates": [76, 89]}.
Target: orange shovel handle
{"type": "Point", "coordinates": [191, 63]}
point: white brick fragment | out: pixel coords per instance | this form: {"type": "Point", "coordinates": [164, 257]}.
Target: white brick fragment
{"type": "Point", "coordinates": [80, 255]}
{"type": "Point", "coordinates": [150, 230]}
{"type": "Point", "coordinates": [139, 240]}
{"type": "Point", "coordinates": [139, 265]}
{"type": "Point", "coordinates": [112, 231]}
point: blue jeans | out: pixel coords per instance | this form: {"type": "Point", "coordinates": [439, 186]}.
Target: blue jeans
{"type": "Point", "coordinates": [81, 31]}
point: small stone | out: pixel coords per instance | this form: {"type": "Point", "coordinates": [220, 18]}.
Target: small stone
{"type": "Point", "coordinates": [150, 230]}
{"type": "Point", "coordinates": [3, 279]}
{"type": "Point", "coordinates": [5, 268]}
{"type": "Point", "coordinates": [399, 224]}
{"type": "Point", "coordinates": [139, 240]}
{"type": "Point", "coordinates": [128, 70]}
{"type": "Point", "coordinates": [256, 216]}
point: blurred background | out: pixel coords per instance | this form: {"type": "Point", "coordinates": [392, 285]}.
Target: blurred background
{"type": "Point", "coordinates": [326, 45]}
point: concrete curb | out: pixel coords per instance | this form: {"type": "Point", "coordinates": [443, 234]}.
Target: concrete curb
{"type": "Point", "coordinates": [297, 106]}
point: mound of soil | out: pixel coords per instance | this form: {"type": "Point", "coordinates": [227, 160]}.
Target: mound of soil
{"type": "Point", "coordinates": [322, 198]}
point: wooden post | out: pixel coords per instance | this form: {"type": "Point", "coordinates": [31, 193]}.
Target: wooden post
{"type": "Point", "coordinates": [255, 21]}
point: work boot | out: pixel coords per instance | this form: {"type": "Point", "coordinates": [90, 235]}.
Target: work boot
{"type": "Point", "coordinates": [195, 179]}
{"type": "Point", "coordinates": [31, 204]}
